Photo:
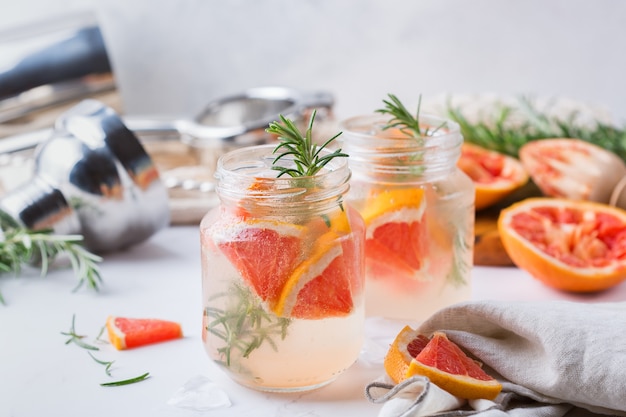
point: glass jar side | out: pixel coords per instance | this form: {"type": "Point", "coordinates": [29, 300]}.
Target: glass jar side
{"type": "Point", "coordinates": [282, 275]}
{"type": "Point", "coordinates": [419, 213]}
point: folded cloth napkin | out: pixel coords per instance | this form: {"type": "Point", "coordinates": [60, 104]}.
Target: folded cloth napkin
{"type": "Point", "coordinates": [553, 358]}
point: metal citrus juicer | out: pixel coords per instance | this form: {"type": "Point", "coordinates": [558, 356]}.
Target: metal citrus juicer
{"type": "Point", "coordinates": [93, 176]}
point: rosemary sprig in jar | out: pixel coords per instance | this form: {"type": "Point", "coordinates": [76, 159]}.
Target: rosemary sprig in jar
{"type": "Point", "coordinates": [404, 120]}
{"type": "Point", "coordinates": [243, 325]}
{"type": "Point", "coordinates": [305, 153]}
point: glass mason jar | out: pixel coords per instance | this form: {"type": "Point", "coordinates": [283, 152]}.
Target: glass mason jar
{"type": "Point", "coordinates": [418, 209]}
{"type": "Point", "coordinates": [282, 273]}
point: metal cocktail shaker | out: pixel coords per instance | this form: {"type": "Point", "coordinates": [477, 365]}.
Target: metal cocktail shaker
{"type": "Point", "coordinates": [92, 177]}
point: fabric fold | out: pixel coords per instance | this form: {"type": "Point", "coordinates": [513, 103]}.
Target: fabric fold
{"type": "Point", "coordinates": [552, 357]}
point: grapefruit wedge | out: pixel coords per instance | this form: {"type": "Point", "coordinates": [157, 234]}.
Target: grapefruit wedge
{"type": "Point", "coordinates": [265, 252]}
{"type": "Point", "coordinates": [127, 333]}
{"type": "Point", "coordinates": [407, 345]}
{"type": "Point", "coordinates": [448, 367]}
{"type": "Point", "coordinates": [321, 286]}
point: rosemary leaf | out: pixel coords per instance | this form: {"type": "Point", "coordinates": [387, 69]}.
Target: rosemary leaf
{"type": "Point", "coordinates": [139, 378]}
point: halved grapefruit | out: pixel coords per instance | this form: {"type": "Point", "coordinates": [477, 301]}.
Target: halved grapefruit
{"type": "Point", "coordinates": [572, 168]}
{"type": "Point", "coordinates": [495, 175]}
{"type": "Point", "coordinates": [448, 367]}
{"type": "Point", "coordinates": [126, 333]}
{"type": "Point", "coordinates": [577, 246]}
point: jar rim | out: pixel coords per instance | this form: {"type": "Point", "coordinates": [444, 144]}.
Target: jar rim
{"type": "Point", "coordinates": [247, 173]}
{"type": "Point", "coordinates": [375, 123]}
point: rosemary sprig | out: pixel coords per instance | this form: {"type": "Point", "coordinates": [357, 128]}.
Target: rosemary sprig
{"type": "Point", "coordinates": [305, 153]}
{"type": "Point", "coordinates": [508, 127]}
{"type": "Point", "coordinates": [76, 338]}
{"type": "Point", "coordinates": [20, 246]}
{"type": "Point", "coordinates": [243, 325]}
{"type": "Point", "coordinates": [404, 120]}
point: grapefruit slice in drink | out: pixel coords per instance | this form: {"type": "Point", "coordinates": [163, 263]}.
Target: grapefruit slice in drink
{"type": "Point", "coordinates": [265, 252]}
{"type": "Point", "coordinates": [448, 367]}
{"type": "Point", "coordinates": [126, 333]}
{"type": "Point", "coordinates": [320, 286]}
{"type": "Point", "coordinates": [395, 243]}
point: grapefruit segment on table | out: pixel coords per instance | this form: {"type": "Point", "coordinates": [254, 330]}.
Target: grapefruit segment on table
{"type": "Point", "coordinates": [265, 252]}
{"type": "Point", "coordinates": [577, 246]}
{"type": "Point", "coordinates": [320, 286]}
{"type": "Point", "coordinates": [495, 175]}
{"type": "Point", "coordinates": [395, 233]}
{"type": "Point", "coordinates": [127, 333]}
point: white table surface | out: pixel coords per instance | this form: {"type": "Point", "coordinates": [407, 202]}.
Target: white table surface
{"type": "Point", "coordinates": [41, 376]}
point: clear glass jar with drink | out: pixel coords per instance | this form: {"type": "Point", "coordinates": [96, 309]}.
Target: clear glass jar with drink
{"type": "Point", "coordinates": [418, 208]}
{"type": "Point", "coordinates": [282, 273]}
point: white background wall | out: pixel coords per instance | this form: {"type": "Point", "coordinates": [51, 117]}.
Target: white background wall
{"type": "Point", "coordinates": [170, 56]}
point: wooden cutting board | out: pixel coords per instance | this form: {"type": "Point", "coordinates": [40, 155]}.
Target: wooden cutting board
{"type": "Point", "coordinates": [488, 249]}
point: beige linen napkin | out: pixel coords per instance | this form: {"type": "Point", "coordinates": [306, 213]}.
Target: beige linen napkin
{"type": "Point", "coordinates": [553, 358]}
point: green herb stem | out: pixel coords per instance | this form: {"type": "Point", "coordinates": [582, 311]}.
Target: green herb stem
{"type": "Point", "coordinates": [107, 364]}
{"type": "Point", "coordinates": [300, 147]}
{"type": "Point", "coordinates": [243, 325]}
{"type": "Point", "coordinates": [76, 338]}
{"type": "Point", "coordinates": [129, 381]}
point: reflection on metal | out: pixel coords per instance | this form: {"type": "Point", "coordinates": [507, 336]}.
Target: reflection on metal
{"type": "Point", "coordinates": [92, 177]}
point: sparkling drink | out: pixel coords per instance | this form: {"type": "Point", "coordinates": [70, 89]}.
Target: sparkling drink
{"type": "Point", "coordinates": [282, 273]}
{"type": "Point", "coordinates": [418, 208]}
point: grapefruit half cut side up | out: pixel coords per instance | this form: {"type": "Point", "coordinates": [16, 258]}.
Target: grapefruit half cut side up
{"type": "Point", "coordinates": [577, 246]}
{"type": "Point", "coordinates": [127, 333]}
{"type": "Point", "coordinates": [448, 367]}
{"type": "Point", "coordinates": [495, 175]}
